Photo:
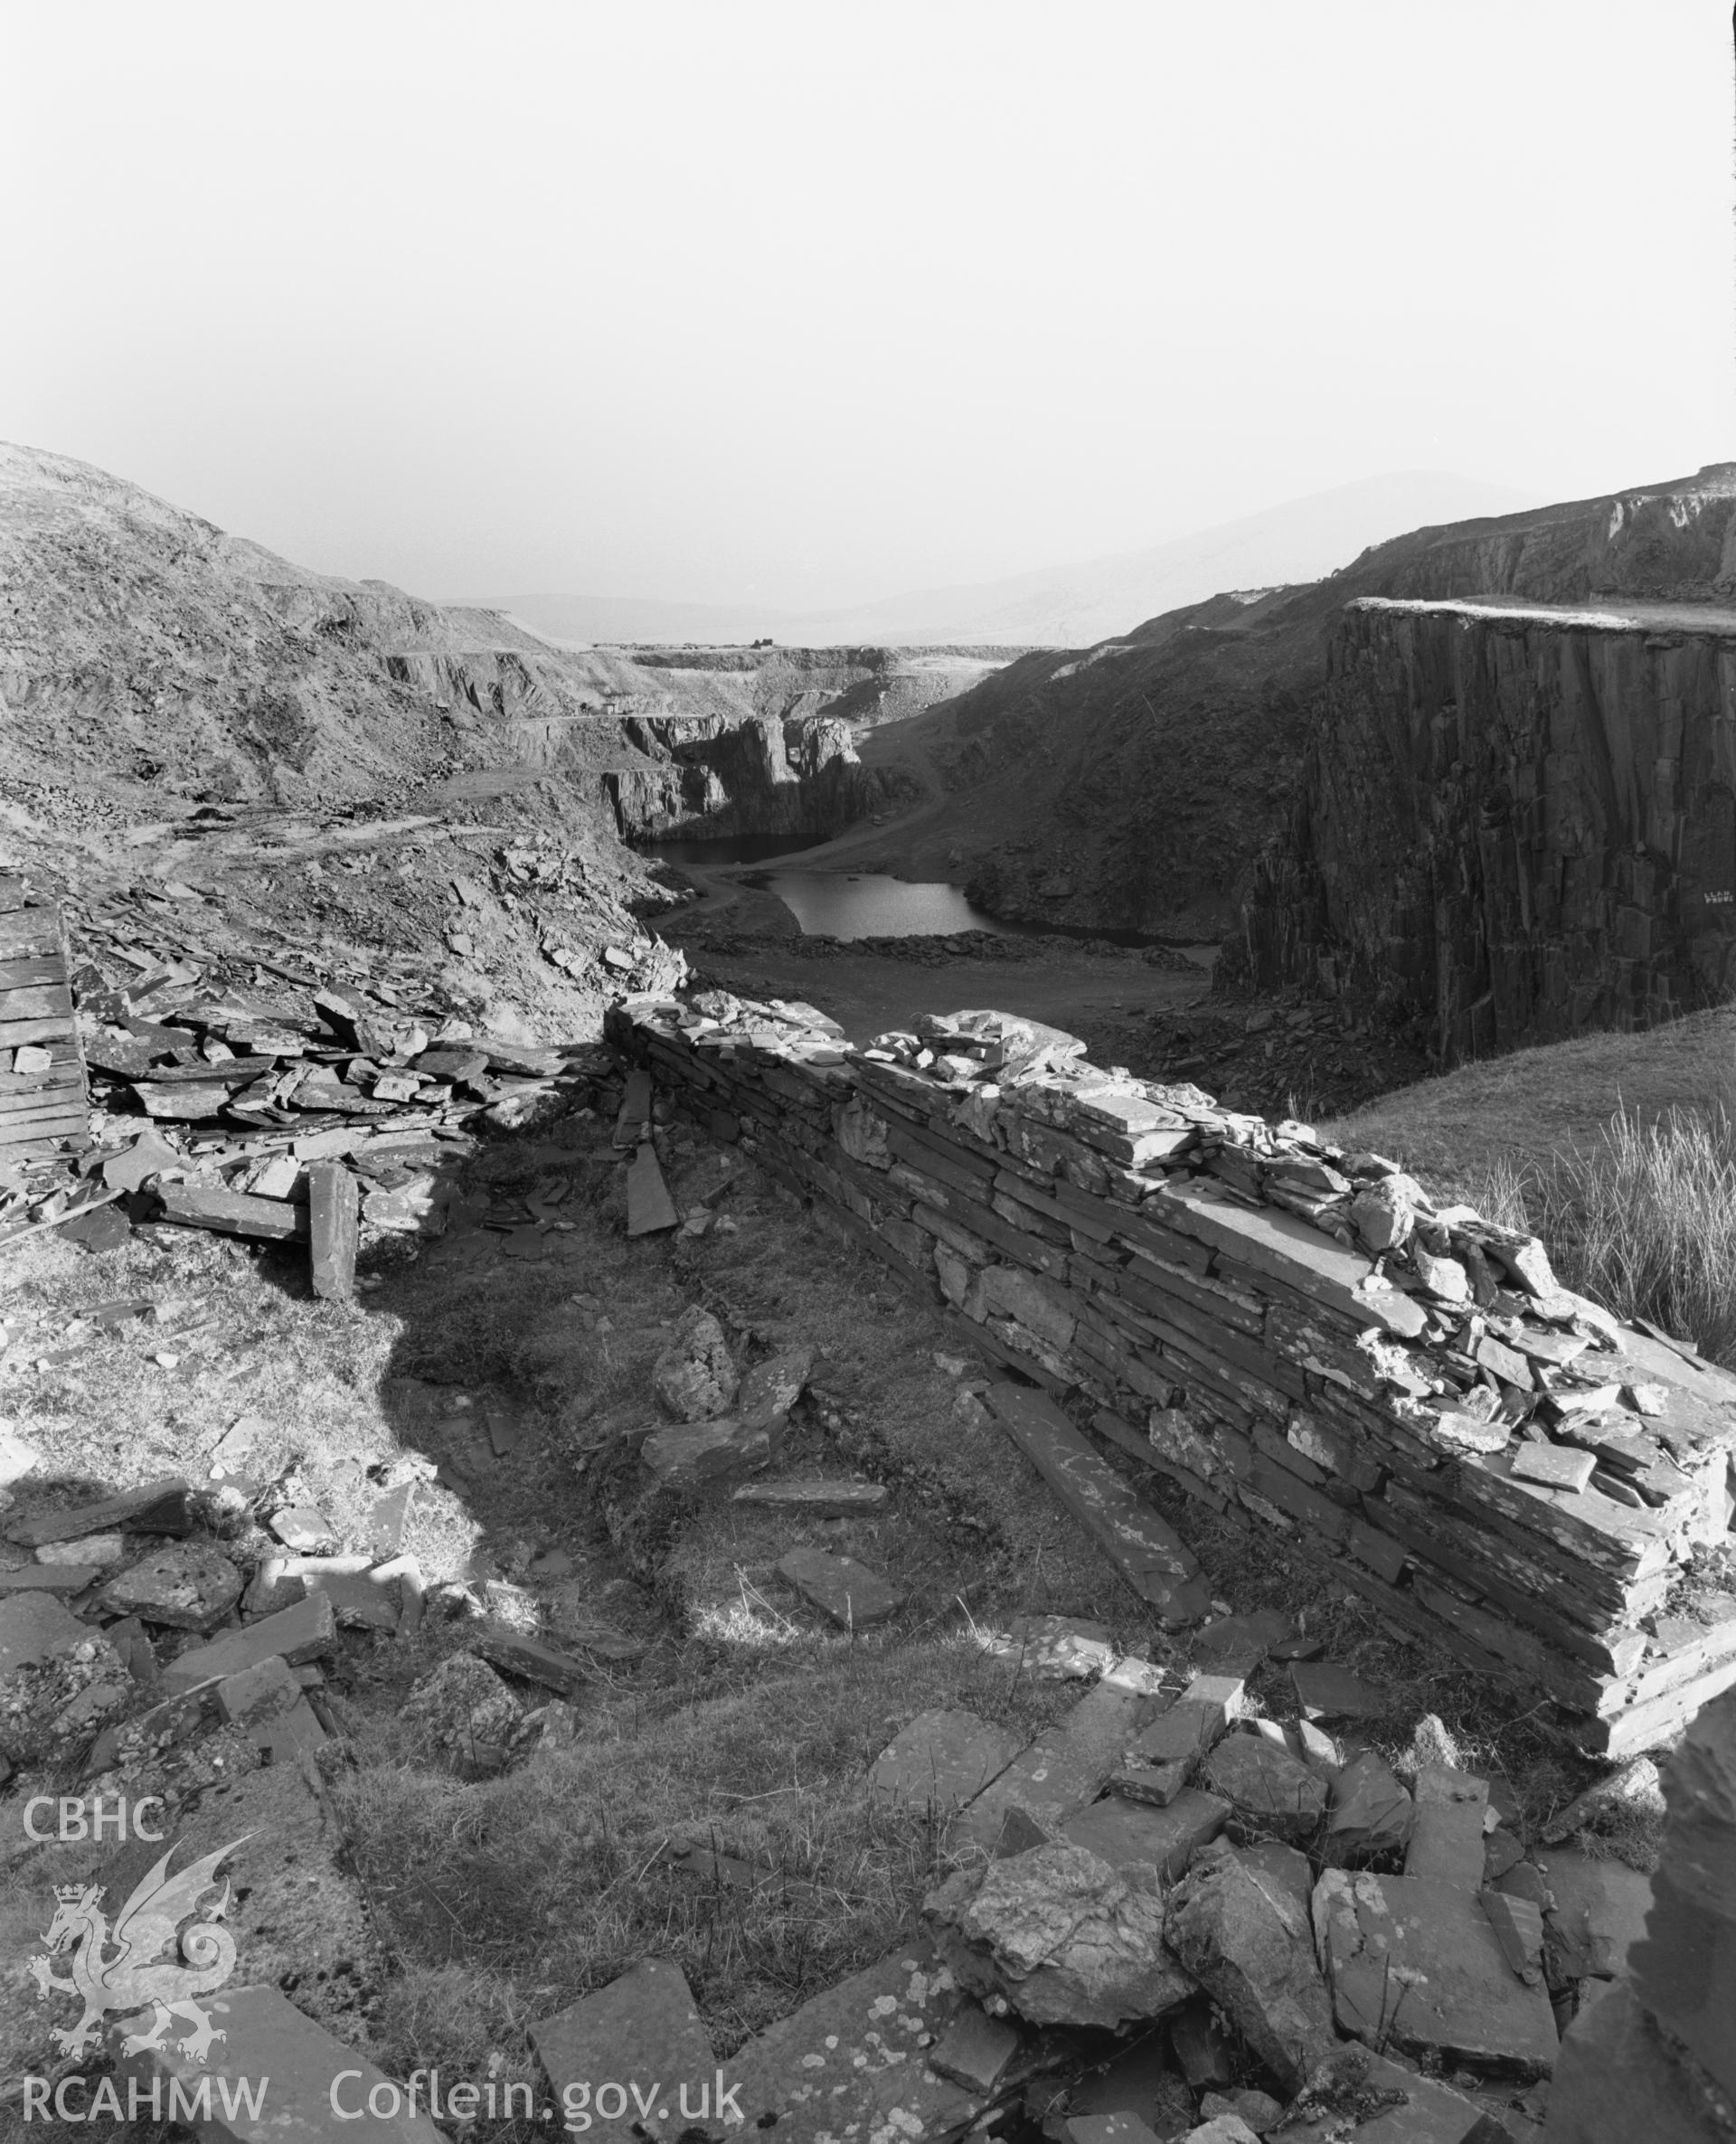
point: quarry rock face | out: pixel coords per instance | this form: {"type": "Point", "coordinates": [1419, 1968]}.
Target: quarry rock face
{"type": "Point", "coordinates": [711, 776]}
{"type": "Point", "coordinates": [1522, 822]}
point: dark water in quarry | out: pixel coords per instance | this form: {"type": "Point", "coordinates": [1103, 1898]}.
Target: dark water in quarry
{"type": "Point", "coordinates": [842, 904]}
{"type": "Point", "coordinates": [866, 904]}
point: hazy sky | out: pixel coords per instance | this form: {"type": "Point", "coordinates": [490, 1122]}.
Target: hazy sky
{"type": "Point", "coordinates": [814, 302]}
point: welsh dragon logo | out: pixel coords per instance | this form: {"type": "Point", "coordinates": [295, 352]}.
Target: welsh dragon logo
{"type": "Point", "coordinates": [136, 1974]}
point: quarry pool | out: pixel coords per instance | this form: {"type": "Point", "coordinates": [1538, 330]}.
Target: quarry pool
{"type": "Point", "coordinates": [867, 904]}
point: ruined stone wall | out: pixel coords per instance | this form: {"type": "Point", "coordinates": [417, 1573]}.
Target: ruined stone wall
{"type": "Point", "coordinates": [1524, 822]}
{"type": "Point", "coordinates": [1289, 1333]}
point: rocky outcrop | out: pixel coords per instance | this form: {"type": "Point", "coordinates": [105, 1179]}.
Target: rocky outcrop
{"type": "Point", "coordinates": [1518, 822]}
{"type": "Point", "coordinates": [709, 776]}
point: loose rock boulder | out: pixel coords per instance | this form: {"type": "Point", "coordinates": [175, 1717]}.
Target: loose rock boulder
{"type": "Point", "coordinates": [1370, 1814]}
{"type": "Point", "coordinates": [694, 1376]}
{"type": "Point", "coordinates": [188, 1586]}
{"type": "Point", "coordinates": [465, 1715]}
{"type": "Point", "coordinates": [1271, 1792]}
{"type": "Point", "coordinates": [1062, 1936]}
{"type": "Point", "coordinates": [1243, 1936]}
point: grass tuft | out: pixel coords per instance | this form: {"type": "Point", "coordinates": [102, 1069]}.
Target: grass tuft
{"type": "Point", "coordinates": [1644, 1219]}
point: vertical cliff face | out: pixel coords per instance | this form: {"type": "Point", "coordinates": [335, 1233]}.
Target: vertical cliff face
{"type": "Point", "coordinates": [1517, 821]}
{"type": "Point", "coordinates": [708, 778]}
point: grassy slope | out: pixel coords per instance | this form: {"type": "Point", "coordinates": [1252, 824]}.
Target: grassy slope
{"type": "Point", "coordinates": [1508, 1111]}
{"type": "Point", "coordinates": [1619, 1150]}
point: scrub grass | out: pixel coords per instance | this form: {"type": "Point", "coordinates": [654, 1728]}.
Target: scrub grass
{"type": "Point", "coordinates": [1620, 1151]}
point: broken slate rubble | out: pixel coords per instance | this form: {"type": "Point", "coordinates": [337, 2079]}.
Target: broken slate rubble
{"type": "Point", "coordinates": [1069, 1763]}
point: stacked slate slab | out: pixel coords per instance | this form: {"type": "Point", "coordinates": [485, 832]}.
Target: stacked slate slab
{"type": "Point", "coordinates": [42, 1097]}
{"type": "Point", "coordinates": [1292, 1333]}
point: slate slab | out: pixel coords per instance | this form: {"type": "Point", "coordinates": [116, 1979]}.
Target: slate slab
{"type": "Point", "coordinates": [649, 1207]}
{"type": "Point", "coordinates": [974, 2050]}
{"type": "Point", "coordinates": [105, 1228]}
{"type": "Point", "coordinates": [62, 1579]}
{"type": "Point", "coordinates": [1326, 1691]}
{"type": "Point", "coordinates": [1415, 1964]}
{"type": "Point", "coordinates": [188, 1586]}
{"type": "Point", "coordinates": [850, 2062]}
{"type": "Point", "coordinates": [1071, 1762]}
{"type": "Point", "coordinates": [156, 1507]}
{"type": "Point", "coordinates": [771, 1388]}
{"type": "Point", "coordinates": [528, 1657]}
{"type": "Point", "coordinates": [840, 1587]}
{"type": "Point", "coordinates": [1123, 1832]}
{"type": "Point", "coordinates": [1271, 1790]}
{"type": "Point", "coordinates": [687, 1456]}
{"type": "Point", "coordinates": [32, 1626]}
{"type": "Point", "coordinates": [643, 2028]}
{"type": "Point", "coordinates": [1147, 1552]}
{"type": "Point", "coordinates": [268, 1687]}
{"type": "Point", "coordinates": [334, 1205]}
{"type": "Point", "coordinates": [303, 1528]}
{"type": "Point", "coordinates": [359, 1603]}
{"type": "Point", "coordinates": [941, 1760]}
{"type": "Point", "coordinates": [266, 2038]}
{"type": "Point", "coordinates": [1237, 1644]}
{"type": "Point", "coordinates": [1555, 1465]}
{"type": "Point", "coordinates": [819, 1496]}
{"type": "Point", "coordinates": [634, 1118]}
{"type": "Point", "coordinates": [1599, 1911]}
{"type": "Point", "coordinates": [1279, 1869]}
{"type": "Point", "coordinates": [1370, 1813]}
{"type": "Point", "coordinates": [1446, 1834]}
{"type": "Point", "coordinates": [102, 1549]}
{"type": "Point", "coordinates": [149, 1153]}
{"type": "Point", "coordinates": [300, 1631]}
{"type": "Point", "coordinates": [231, 1213]}
{"type": "Point", "coordinates": [1518, 1926]}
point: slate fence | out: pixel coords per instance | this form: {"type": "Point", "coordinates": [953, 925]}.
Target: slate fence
{"type": "Point", "coordinates": [1497, 1464]}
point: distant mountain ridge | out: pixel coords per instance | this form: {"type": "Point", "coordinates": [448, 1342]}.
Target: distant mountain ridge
{"type": "Point", "coordinates": [1072, 606]}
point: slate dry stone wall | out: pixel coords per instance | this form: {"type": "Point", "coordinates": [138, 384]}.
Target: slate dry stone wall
{"type": "Point", "coordinates": [1291, 1333]}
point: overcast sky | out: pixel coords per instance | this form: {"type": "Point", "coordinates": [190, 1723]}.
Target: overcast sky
{"type": "Point", "coordinates": [814, 302]}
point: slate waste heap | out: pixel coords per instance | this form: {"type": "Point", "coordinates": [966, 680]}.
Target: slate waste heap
{"type": "Point", "coordinates": [1293, 1334]}
{"type": "Point", "coordinates": [235, 1093]}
